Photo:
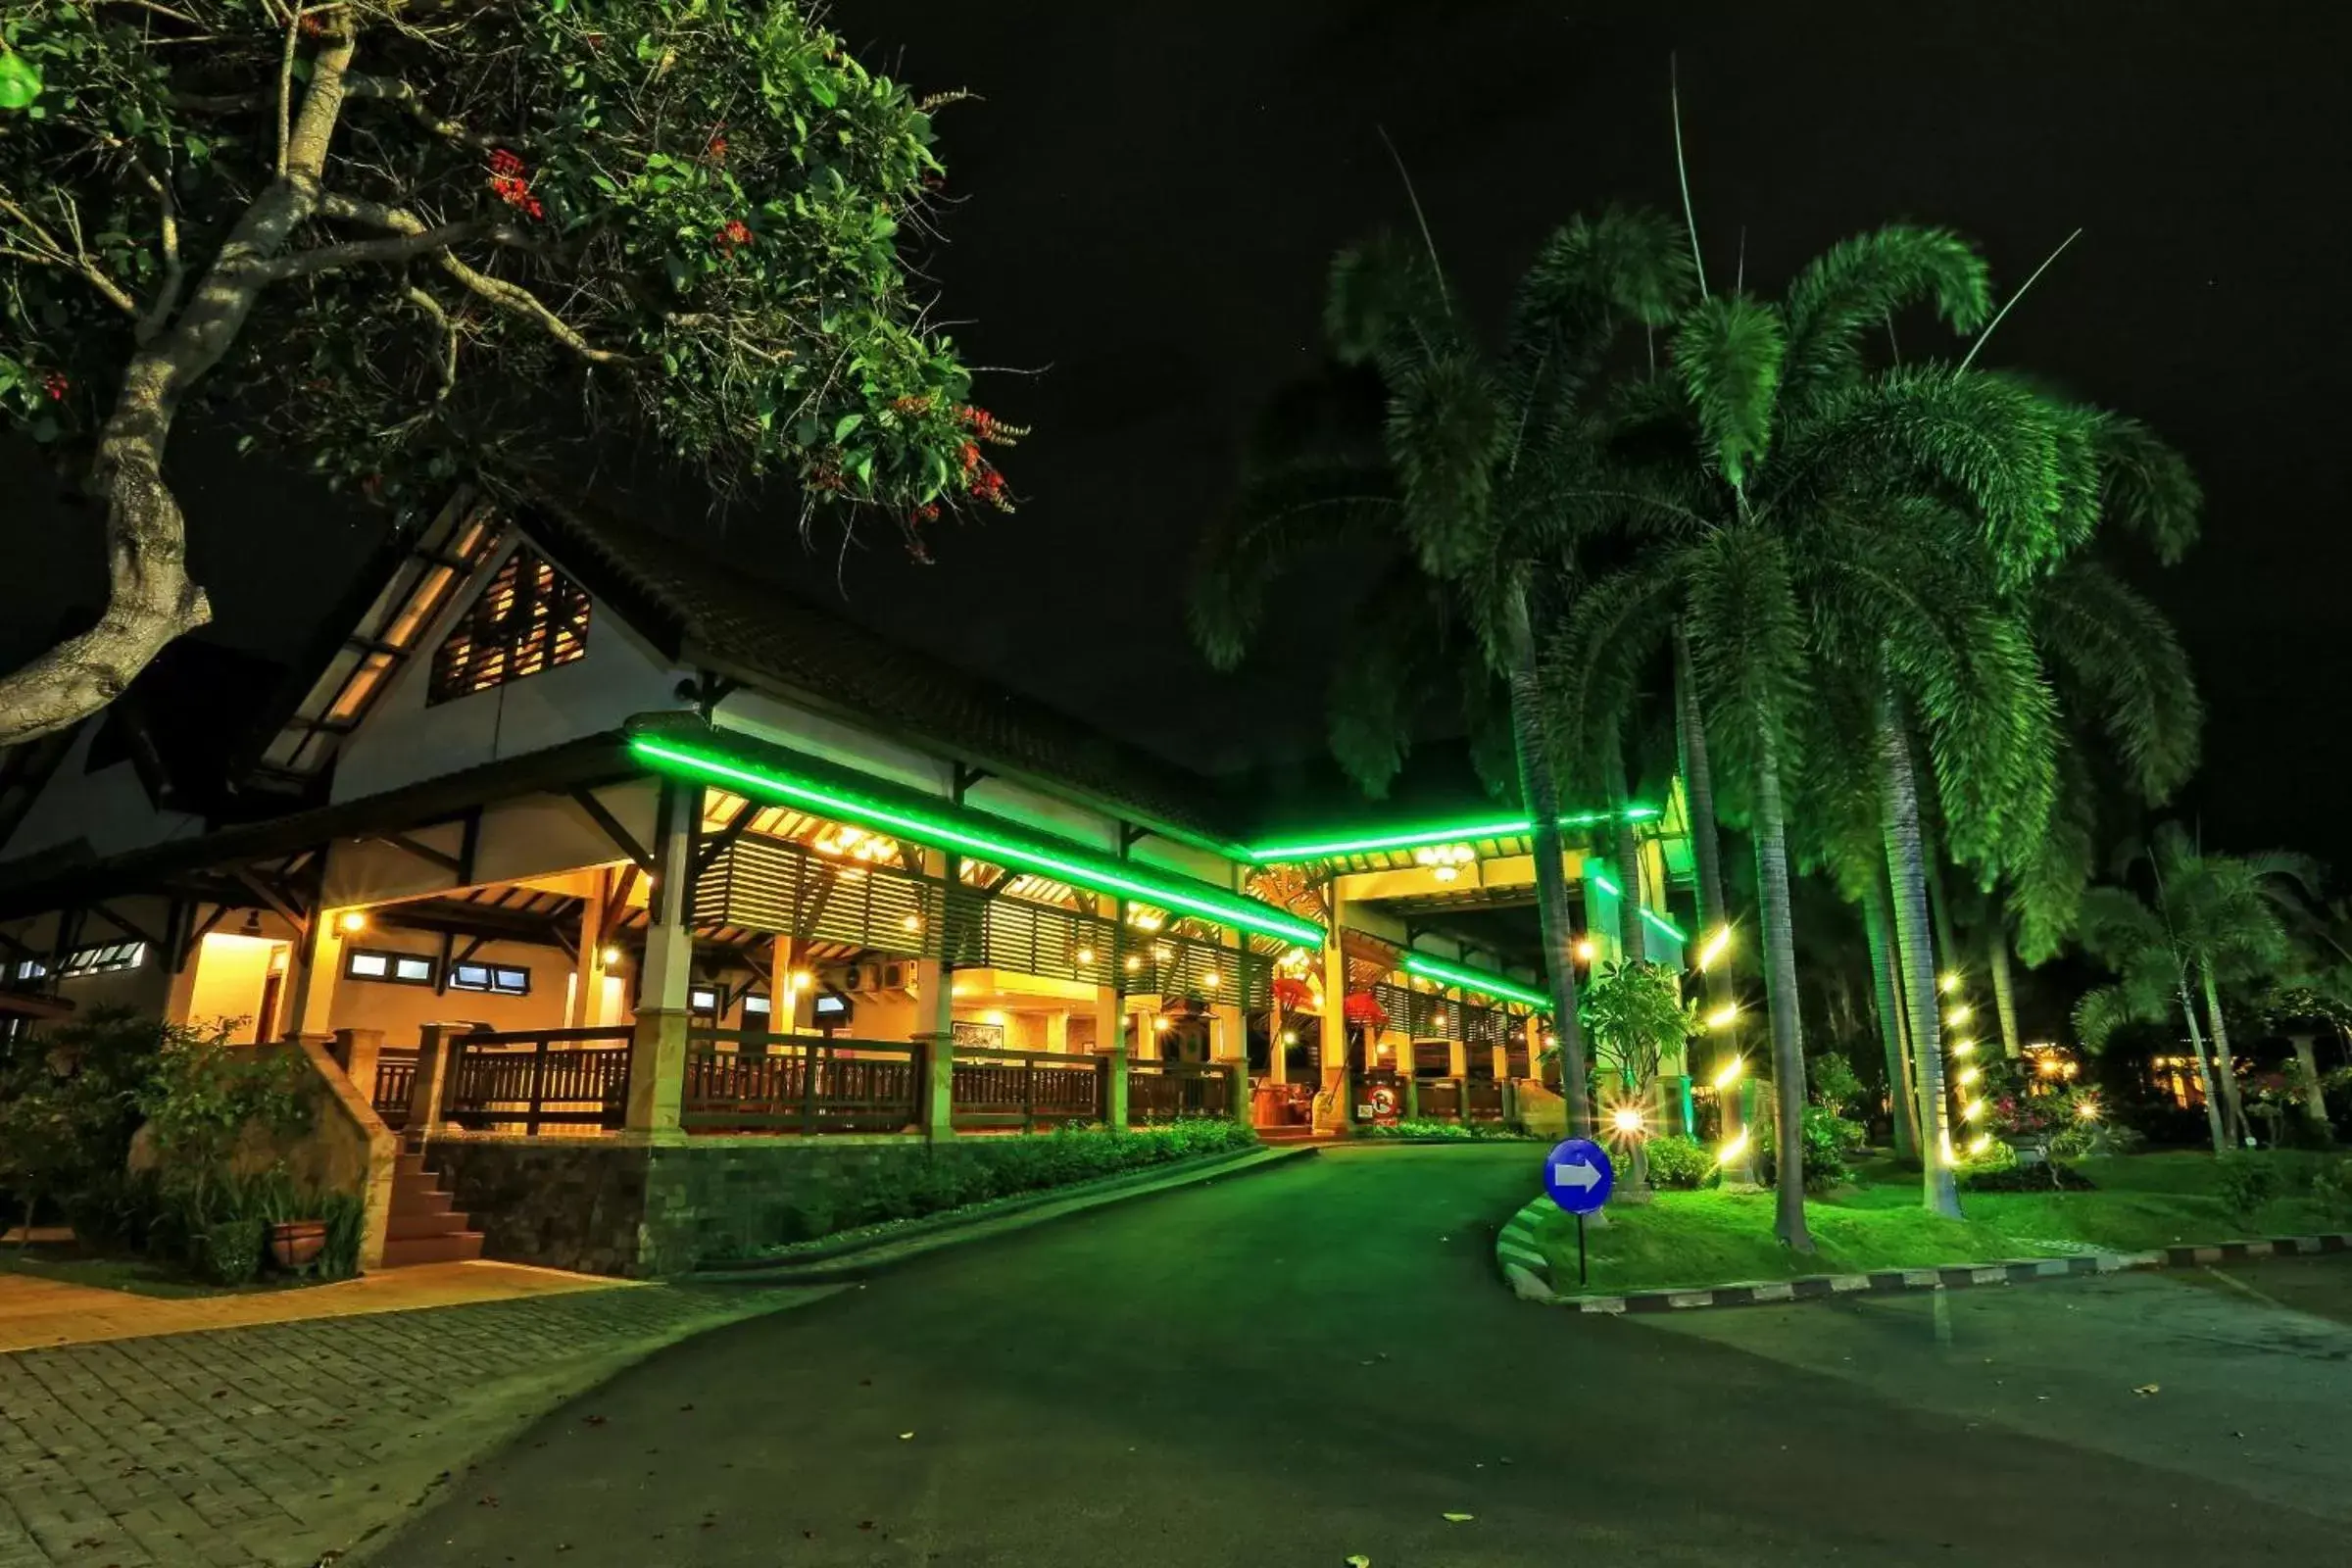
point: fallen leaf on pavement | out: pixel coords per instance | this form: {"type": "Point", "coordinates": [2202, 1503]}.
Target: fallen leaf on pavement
{"type": "Point", "coordinates": [593, 1420]}
{"type": "Point", "coordinates": [905, 1436]}
{"type": "Point", "coordinates": [2146, 1388]}
{"type": "Point", "coordinates": [1459, 1518]}
{"type": "Point", "coordinates": [1360, 1560]}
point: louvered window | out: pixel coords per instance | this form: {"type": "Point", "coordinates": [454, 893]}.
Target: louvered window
{"type": "Point", "coordinates": [531, 617]}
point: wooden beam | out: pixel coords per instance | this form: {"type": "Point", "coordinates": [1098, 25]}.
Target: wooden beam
{"type": "Point", "coordinates": [272, 900]}
{"type": "Point", "coordinates": [718, 842]}
{"type": "Point", "coordinates": [622, 839]}
{"type": "Point", "coordinates": [965, 777]}
{"type": "Point", "coordinates": [128, 928]}
{"type": "Point", "coordinates": [424, 851]}
{"type": "Point", "coordinates": [196, 935]}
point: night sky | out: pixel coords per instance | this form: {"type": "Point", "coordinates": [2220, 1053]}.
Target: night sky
{"type": "Point", "coordinates": [1148, 197]}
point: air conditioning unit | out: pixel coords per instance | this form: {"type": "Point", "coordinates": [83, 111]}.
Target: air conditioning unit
{"type": "Point", "coordinates": [870, 979]}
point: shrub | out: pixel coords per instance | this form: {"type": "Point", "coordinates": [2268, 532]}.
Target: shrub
{"type": "Point", "coordinates": [2081, 1138]}
{"type": "Point", "coordinates": [1680, 1162]}
{"type": "Point", "coordinates": [2331, 1188]}
{"type": "Point", "coordinates": [1828, 1139]}
{"type": "Point", "coordinates": [1995, 1157]}
{"type": "Point", "coordinates": [2246, 1181]}
{"type": "Point", "coordinates": [231, 1249]}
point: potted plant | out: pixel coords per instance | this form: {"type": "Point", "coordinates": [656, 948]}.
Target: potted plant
{"type": "Point", "coordinates": [295, 1239]}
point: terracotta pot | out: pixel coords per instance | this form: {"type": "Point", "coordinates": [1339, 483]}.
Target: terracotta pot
{"type": "Point", "coordinates": [297, 1243]}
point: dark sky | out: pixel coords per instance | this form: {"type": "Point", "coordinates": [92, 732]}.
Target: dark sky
{"type": "Point", "coordinates": [1151, 193]}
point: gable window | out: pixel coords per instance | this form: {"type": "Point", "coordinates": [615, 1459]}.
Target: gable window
{"type": "Point", "coordinates": [103, 958]}
{"type": "Point", "coordinates": [31, 969]}
{"type": "Point", "coordinates": [396, 968]}
{"type": "Point", "coordinates": [529, 619]}
{"type": "Point", "coordinates": [498, 979]}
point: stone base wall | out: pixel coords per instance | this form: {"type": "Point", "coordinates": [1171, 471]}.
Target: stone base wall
{"type": "Point", "coordinates": [608, 1207]}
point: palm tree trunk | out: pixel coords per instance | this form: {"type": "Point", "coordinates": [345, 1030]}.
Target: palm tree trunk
{"type": "Point", "coordinates": [1779, 994]}
{"type": "Point", "coordinates": [1540, 790]}
{"type": "Point", "coordinates": [1626, 850]}
{"type": "Point", "coordinates": [2222, 1067]}
{"type": "Point", "coordinates": [2004, 993]}
{"type": "Point", "coordinates": [2308, 1091]}
{"type": "Point", "coordinates": [2196, 1045]}
{"type": "Point", "coordinates": [1706, 853]}
{"type": "Point", "coordinates": [1889, 993]}
{"type": "Point", "coordinates": [1907, 874]}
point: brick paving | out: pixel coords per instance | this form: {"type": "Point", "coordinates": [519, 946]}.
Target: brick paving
{"type": "Point", "coordinates": [277, 1443]}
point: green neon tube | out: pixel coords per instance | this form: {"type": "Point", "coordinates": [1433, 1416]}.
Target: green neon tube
{"type": "Point", "coordinates": [1478, 980]}
{"type": "Point", "coordinates": [944, 834]}
{"type": "Point", "coordinates": [1406, 838]}
{"type": "Point", "coordinates": [1665, 925]}
{"type": "Point", "coordinates": [1605, 885]}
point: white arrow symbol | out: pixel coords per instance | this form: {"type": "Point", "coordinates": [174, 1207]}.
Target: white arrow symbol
{"type": "Point", "coordinates": [1579, 1175]}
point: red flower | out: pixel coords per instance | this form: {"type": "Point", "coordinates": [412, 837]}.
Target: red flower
{"type": "Point", "coordinates": [735, 233]}
{"type": "Point", "coordinates": [928, 512]}
{"type": "Point", "coordinates": [56, 385]}
{"type": "Point", "coordinates": [972, 456]}
{"type": "Point", "coordinates": [716, 152]}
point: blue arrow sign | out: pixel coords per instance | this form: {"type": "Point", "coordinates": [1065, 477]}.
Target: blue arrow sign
{"type": "Point", "coordinates": [1578, 1175]}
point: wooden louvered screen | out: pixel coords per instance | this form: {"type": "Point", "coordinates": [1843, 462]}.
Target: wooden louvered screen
{"type": "Point", "coordinates": [529, 619]}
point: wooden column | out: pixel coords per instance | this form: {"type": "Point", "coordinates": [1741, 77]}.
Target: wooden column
{"type": "Point", "coordinates": [657, 1052]}
{"type": "Point", "coordinates": [1333, 1112]}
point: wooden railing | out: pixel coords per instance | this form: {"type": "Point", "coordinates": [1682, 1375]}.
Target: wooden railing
{"type": "Point", "coordinates": [532, 1079]}
{"type": "Point", "coordinates": [1484, 1099]}
{"type": "Point", "coordinates": [394, 1082]}
{"type": "Point", "coordinates": [994, 1086]}
{"type": "Point", "coordinates": [798, 1083]}
{"type": "Point", "coordinates": [1177, 1091]}
{"type": "Point", "coordinates": [1439, 1099]}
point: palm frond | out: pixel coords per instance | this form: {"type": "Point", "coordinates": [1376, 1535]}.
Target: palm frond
{"type": "Point", "coordinates": [1281, 519]}
{"type": "Point", "coordinates": [1384, 297]}
{"type": "Point", "coordinates": [1855, 285]}
{"type": "Point", "coordinates": [1728, 355]}
{"type": "Point", "coordinates": [2148, 486]}
{"type": "Point", "coordinates": [1447, 429]}
{"type": "Point", "coordinates": [2114, 648]}
{"type": "Point", "coordinates": [1748, 651]}
{"type": "Point", "coordinates": [1389, 659]}
{"type": "Point", "coordinates": [1594, 664]}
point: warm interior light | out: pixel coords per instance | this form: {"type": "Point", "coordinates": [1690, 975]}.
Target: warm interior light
{"type": "Point", "coordinates": [802, 979]}
{"type": "Point", "coordinates": [913, 922]}
{"type": "Point", "coordinates": [610, 955]}
{"type": "Point", "coordinates": [1729, 1073]}
{"type": "Point", "coordinates": [1290, 1037]}
{"type": "Point", "coordinates": [1585, 950]}
{"type": "Point", "coordinates": [1446, 873]}
{"type": "Point", "coordinates": [1209, 981]}
{"type": "Point", "coordinates": [1730, 1153]}
{"type": "Point", "coordinates": [353, 920]}
{"type": "Point", "coordinates": [1725, 1016]}
{"type": "Point", "coordinates": [1134, 963]}
{"type": "Point", "coordinates": [1159, 1026]}
{"type": "Point", "coordinates": [1717, 946]}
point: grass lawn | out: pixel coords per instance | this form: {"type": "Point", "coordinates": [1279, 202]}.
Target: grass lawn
{"type": "Point", "coordinates": [65, 1263]}
{"type": "Point", "coordinates": [2142, 1201]}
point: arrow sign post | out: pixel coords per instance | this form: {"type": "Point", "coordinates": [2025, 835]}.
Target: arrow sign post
{"type": "Point", "coordinates": [1578, 1175]}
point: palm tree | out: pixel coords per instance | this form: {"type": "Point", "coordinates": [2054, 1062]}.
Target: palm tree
{"type": "Point", "coordinates": [2215, 919]}
{"type": "Point", "coordinates": [1480, 489]}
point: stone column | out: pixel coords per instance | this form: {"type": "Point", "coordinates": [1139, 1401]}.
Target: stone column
{"type": "Point", "coordinates": [432, 1076]}
{"type": "Point", "coordinates": [1237, 1089]}
{"type": "Point", "coordinates": [355, 1051]}
{"type": "Point", "coordinates": [936, 1063]}
{"type": "Point", "coordinates": [316, 964]}
{"type": "Point", "coordinates": [658, 1050]}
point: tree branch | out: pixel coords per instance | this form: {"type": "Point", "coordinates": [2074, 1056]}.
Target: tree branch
{"type": "Point", "coordinates": [393, 90]}
{"type": "Point", "coordinates": [403, 247]}
{"type": "Point", "coordinates": [510, 297]}
{"type": "Point", "coordinates": [76, 260]}
{"type": "Point", "coordinates": [166, 296]}
{"type": "Point", "coordinates": [449, 337]}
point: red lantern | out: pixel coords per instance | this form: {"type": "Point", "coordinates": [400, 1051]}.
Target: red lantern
{"type": "Point", "coordinates": [1364, 1008]}
{"type": "Point", "coordinates": [1290, 995]}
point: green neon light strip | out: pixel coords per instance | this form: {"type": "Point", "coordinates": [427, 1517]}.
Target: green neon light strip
{"type": "Point", "coordinates": [1478, 980]}
{"type": "Point", "coordinates": [1665, 925]}
{"type": "Point", "coordinates": [944, 834]}
{"type": "Point", "coordinates": [1605, 885]}
{"type": "Point", "coordinates": [1439, 833]}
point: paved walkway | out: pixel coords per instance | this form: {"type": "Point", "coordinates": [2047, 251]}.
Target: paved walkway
{"type": "Point", "coordinates": [275, 1443]}
{"type": "Point", "coordinates": [41, 1313]}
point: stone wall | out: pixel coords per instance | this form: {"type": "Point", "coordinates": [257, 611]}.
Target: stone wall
{"type": "Point", "coordinates": [605, 1206]}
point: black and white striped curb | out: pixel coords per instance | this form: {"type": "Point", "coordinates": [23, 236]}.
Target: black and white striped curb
{"type": "Point", "coordinates": [1528, 1271]}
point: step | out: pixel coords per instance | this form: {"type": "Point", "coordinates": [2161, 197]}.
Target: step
{"type": "Point", "coordinates": [409, 1162]}
{"type": "Point", "coordinates": [417, 1200]}
{"type": "Point", "coordinates": [441, 1221]}
{"type": "Point", "coordinates": [450, 1247]}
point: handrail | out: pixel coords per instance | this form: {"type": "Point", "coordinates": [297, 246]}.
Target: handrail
{"type": "Point", "coordinates": [531, 1037]}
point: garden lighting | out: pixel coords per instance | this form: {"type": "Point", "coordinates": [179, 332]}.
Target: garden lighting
{"type": "Point", "coordinates": [1729, 1073]}
{"type": "Point", "coordinates": [1971, 1111]}
{"type": "Point", "coordinates": [1731, 1152]}
{"type": "Point", "coordinates": [1969, 1075]}
{"type": "Point", "coordinates": [1978, 1145]}
{"type": "Point", "coordinates": [1725, 1016]}
{"type": "Point", "coordinates": [2086, 1109]}
{"type": "Point", "coordinates": [1627, 1119]}
{"type": "Point", "coordinates": [1948, 984]}
{"type": "Point", "coordinates": [1959, 1014]}
{"type": "Point", "coordinates": [1717, 944]}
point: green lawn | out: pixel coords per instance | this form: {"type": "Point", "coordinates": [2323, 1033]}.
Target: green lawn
{"type": "Point", "coordinates": [1714, 1238]}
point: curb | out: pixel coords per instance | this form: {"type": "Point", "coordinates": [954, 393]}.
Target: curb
{"type": "Point", "coordinates": [864, 1259]}
{"type": "Point", "coordinates": [1528, 1271]}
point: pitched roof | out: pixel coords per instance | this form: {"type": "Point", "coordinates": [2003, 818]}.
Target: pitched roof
{"type": "Point", "coordinates": [764, 633]}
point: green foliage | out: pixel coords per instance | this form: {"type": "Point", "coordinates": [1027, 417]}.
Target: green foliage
{"type": "Point", "coordinates": [1831, 1143]}
{"type": "Point", "coordinates": [2246, 1180]}
{"type": "Point", "coordinates": [229, 1250]}
{"type": "Point", "coordinates": [2080, 1139]}
{"type": "Point", "coordinates": [1991, 1160]}
{"type": "Point", "coordinates": [1677, 1162]}
{"type": "Point", "coordinates": [69, 1104]}
{"type": "Point", "coordinates": [667, 221]}
{"type": "Point", "coordinates": [1835, 1086]}
{"type": "Point", "coordinates": [1427, 1129]}
{"type": "Point", "coordinates": [206, 1098]}
{"type": "Point", "coordinates": [1728, 354]}
{"type": "Point", "coordinates": [2331, 1188]}
{"type": "Point", "coordinates": [1632, 1013]}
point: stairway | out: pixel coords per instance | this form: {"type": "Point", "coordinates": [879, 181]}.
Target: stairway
{"type": "Point", "coordinates": [424, 1228]}
{"type": "Point", "coordinates": [1298, 1133]}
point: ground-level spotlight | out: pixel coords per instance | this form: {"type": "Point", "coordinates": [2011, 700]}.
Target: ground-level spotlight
{"type": "Point", "coordinates": [1627, 1119]}
{"type": "Point", "coordinates": [1979, 1143]}
{"type": "Point", "coordinates": [1973, 1110]}
{"type": "Point", "coordinates": [2086, 1110]}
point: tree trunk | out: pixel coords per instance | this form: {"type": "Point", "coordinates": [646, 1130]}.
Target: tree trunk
{"type": "Point", "coordinates": [2196, 1045]}
{"type": "Point", "coordinates": [2223, 1068]}
{"type": "Point", "coordinates": [2004, 990]}
{"type": "Point", "coordinates": [150, 600]}
{"type": "Point", "coordinates": [1626, 850]}
{"type": "Point", "coordinates": [1901, 1112]}
{"type": "Point", "coordinates": [1538, 789]}
{"type": "Point", "coordinates": [1779, 994]}
{"type": "Point", "coordinates": [2308, 1091]}
{"type": "Point", "coordinates": [1706, 853]}
{"type": "Point", "coordinates": [1907, 874]}
{"type": "Point", "coordinates": [1939, 902]}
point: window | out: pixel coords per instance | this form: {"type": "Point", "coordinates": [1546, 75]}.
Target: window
{"type": "Point", "coordinates": [531, 617]}
{"type": "Point", "coordinates": [397, 968]}
{"type": "Point", "coordinates": [103, 958]}
{"type": "Point", "coordinates": [498, 979]}
{"type": "Point", "coordinates": [31, 969]}
{"type": "Point", "coordinates": [754, 1004]}
{"type": "Point", "coordinates": [703, 1000]}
